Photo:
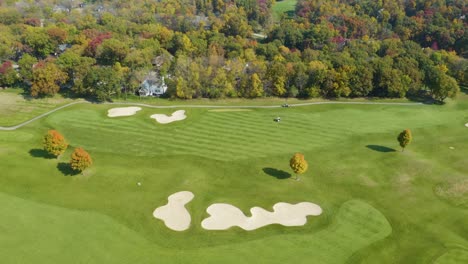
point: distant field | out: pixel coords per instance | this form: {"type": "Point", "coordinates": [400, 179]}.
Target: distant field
{"type": "Point", "coordinates": [380, 205]}
{"type": "Point", "coordinates": [285, 6]}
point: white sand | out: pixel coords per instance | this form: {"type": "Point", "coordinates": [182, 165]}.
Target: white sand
{"type": "Point", "coordinates": [164, 119]}
{"type": "Point", "coordinates": [224, 216]}
{"type": "Point", "coordinates": [174, 214]}
{"type": "Point", "coordinates": [123, 111]}
{"type": "Point", "coordinates": [466, 124]}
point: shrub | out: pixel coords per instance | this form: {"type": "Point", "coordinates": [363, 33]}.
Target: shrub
{"type": "Point", "coordinates": [54, 143]}
{"type": "Point", "coordinates": [80, 160]}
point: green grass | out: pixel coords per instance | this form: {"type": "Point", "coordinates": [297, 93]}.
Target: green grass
{"type": "Point", "coordinates": [285, 6]}
{"type": "Point", "coordinates": [380, 205]}
{"type": "Point", "coordinates": [453, 257]}
{"type": "Point", "coordinates": [15, 108]}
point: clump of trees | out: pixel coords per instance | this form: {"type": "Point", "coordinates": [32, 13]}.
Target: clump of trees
{"type": "Point", "coordinates": [54, 143]}
{"type": "Point", "coordinates": [404, 138]}
{"type": "Point", "coordinates": [80, 160]}
{"type": "Point", "coordinates": [298, 164]}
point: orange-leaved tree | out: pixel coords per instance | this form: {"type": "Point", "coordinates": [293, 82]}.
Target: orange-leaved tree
{"type": "Point", "coordinates": [298, 164]}
{"type": "Point", "coordinates": [80, 160]}
{"type": "Point", "coordinates": [54, 143]}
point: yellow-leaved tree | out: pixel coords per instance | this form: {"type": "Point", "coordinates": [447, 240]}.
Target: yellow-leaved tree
{"type": "Point", "coordinates": [298, 164]}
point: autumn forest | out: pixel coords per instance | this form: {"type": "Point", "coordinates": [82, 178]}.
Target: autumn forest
{"type": "Point", "coordinates": [236, 48]}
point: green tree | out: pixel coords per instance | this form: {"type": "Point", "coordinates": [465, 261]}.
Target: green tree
{"type": "Point", "coordinates": [76, 67]}
{"type": "Point", "coordinates": [39, 41]}
{"type": "Point", "coordinates": [298, 164]}
{"type": "Point", "coordinates": [102, 82]}
{"type": "Point", "coordinates": [441, 85]}
{"type": "Point", "coordinates": [54, 143]}
{"type": "Point", "coordinates": [404, 138]}
{"type": "Point", "coordinates": [80, 160]}
{"type": "Point", "coordinates": [7, 43]}
{"type": "Point", "coordinates": [235, 23]}
{"type": "Point", "coordinates": [26, 64]}
{"type": "Point", "coordinates": [112, 51]}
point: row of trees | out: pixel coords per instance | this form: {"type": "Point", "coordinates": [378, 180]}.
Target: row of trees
{"type": "Point", "coordinates": [329, 49]}
{"type": "Point", "coordinates": [55, 144]}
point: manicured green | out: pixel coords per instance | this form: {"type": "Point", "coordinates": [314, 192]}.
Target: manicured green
{"type": "Point", "coordinates": [285, 6]}
{"type": "Point", "coordinates": [379, 205]}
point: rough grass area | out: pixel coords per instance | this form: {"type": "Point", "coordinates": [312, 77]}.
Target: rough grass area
{"type": "Point", "coordinates": [380, 205]}
{"type": "Point", "coordinates": [455, 191]}
{"type": "Point", "coordinates": [15, 108]}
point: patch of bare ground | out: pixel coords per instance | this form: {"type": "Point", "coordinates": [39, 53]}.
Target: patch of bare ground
{"type": "Point", "coordinates": [455, 191]}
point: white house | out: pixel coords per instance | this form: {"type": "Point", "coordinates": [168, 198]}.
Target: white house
{"type": "Point", "coordinates": [153, 85]}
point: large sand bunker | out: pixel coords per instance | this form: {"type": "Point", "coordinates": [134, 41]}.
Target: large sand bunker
{"type": "Point", "coordinates": [123, 111]}
{"type": "Point", "coordinates": [224, 216]}
{"type": "Point", "coordinates": [164, 119]}
{"type": "Point", "coordinates": [174, 214]}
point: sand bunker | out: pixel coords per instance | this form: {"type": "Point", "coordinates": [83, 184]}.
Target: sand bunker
{"type": "Point", "coordinates": [164, 119]}
{"type": "Point", "coordinates": [224, 216]}
{"type": "Point", "coordinates": [123, 111]}
{"type": "Point", "coordinates": [174, 214]}
{"type": "Point", "coordinates": [466, 124]}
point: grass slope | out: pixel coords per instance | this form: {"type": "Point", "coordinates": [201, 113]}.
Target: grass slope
{"type": "Point", "coordinates": [355, 174]}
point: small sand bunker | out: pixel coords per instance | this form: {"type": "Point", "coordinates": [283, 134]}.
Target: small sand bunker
{"type": "Point", "coordinates": [224, 216]}
{"type": "Point", "coordinates": [174, 214]}
{"type": "Point", "coordinates": [123, 111]}
{"type": "Point", "coordinates": [164, 119]}
{"type": "Point", "coordinates": [466, 124]}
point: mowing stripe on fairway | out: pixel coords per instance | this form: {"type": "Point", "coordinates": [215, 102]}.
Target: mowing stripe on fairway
{"type": "Point", "coordinates": [200, 106]}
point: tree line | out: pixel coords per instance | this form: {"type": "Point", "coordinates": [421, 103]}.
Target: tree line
{"type": "Point", "coordinates": [205, 48]}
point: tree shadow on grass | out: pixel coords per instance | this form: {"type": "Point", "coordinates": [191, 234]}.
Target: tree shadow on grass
{"type": "Point", "coordinates": [380, 148]}
{"type": "Point", "coordinates": [278, 174]}
{"type": "Point", "coordinates": [65, 168]}
{"type": "Point", "coordinates": [40, 153]}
